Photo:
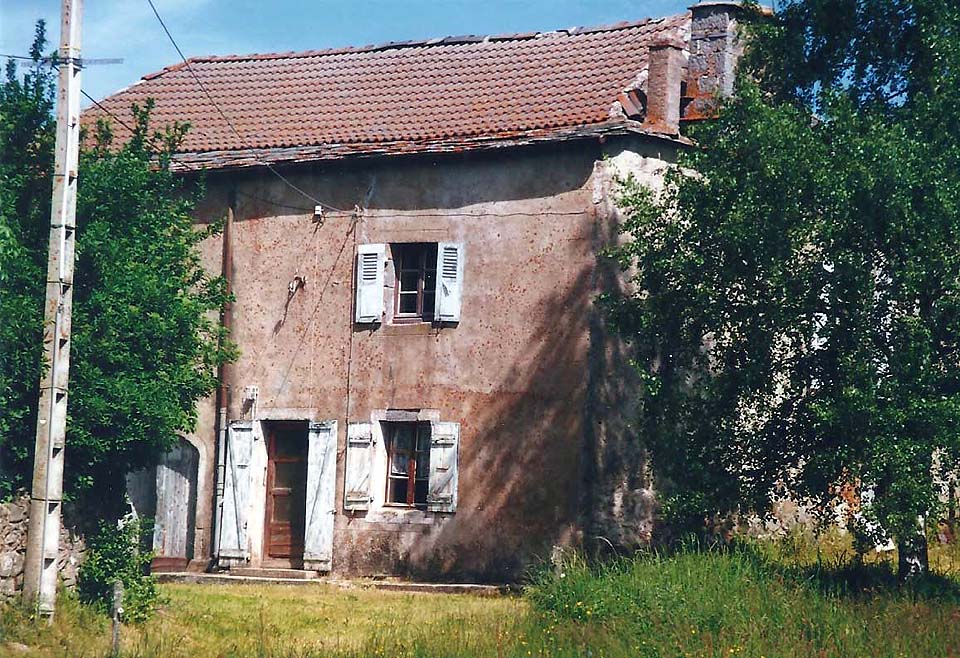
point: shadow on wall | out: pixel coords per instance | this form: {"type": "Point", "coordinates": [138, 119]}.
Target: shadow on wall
{"type": "Point", "coordinates": [620, 504]}
{"type": "Point", "coordinates": [522, 467]}
{"type": "Point", "coordinates": [413, 182]}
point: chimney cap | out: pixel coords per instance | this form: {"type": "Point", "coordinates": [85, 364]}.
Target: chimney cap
{"type": "Point", "coordinates": [716, 3]}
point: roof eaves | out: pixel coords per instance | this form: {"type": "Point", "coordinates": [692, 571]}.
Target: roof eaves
{"type": "Point", "coordinates": [247, 158]}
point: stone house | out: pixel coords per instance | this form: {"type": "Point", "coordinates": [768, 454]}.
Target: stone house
{"type": "Point", "coordinates": [414, 236]}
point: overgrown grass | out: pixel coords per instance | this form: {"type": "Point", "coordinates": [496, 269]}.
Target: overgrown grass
{"type": "Point", "coordinates": [757, 601]}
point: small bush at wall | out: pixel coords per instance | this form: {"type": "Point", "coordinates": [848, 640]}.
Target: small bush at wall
{"type": "Point", "coordinates": [113, 554]}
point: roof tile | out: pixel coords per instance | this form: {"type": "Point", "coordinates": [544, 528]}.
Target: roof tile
{"type": "Point", "coordinates": [454, 88]}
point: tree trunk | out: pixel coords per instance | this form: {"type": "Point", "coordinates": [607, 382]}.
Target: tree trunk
{"type": "Point", "coordinates": [913, 559]}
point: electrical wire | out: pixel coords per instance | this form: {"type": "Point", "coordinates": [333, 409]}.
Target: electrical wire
{"type": "Point", "coordinates": [227, 119]}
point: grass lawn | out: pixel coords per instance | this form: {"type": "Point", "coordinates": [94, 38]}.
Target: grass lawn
{"type": "Point", "coordinates": [752, 603]}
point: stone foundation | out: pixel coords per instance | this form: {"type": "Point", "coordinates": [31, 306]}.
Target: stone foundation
{"type": "Point", "coordinates": [13, 548]}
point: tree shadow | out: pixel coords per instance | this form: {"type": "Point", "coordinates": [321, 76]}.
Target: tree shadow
{"type": "Point", "coordinates": [853, 580]}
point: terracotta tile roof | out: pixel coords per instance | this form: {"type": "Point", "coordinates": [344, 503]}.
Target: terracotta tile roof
{"type": "Point", "coordinates": [398, 97]}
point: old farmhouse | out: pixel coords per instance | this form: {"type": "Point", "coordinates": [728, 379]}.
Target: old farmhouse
{"type": "Point", "coordinates": [414, 236]}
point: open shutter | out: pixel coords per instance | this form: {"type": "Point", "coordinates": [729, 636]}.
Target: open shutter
{"type": "Point", "coordinates": [444, 449]}
{"type": "Point", "coordinates": [236, 489]}
{"type": "Point", "coordinates": [321, 482]}
{"type": "Point", "coordinates": [356, 486]}
{"type": "Point", "coordinates": [370, 266]}
{"type": "Point", "coordinates": [449, 281]}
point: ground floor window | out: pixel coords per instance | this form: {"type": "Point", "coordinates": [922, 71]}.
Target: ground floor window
{"type": "Point", "coordinates": [408, 458]}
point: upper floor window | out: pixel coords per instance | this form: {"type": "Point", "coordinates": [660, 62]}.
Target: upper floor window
{"type": "Point", "coordinates": [428, 283]}
{"type": "Point", "coordinates": [416, 270]}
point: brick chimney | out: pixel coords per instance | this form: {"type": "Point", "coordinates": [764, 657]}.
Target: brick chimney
{"type": "Point", "coordinates": [665, 64]}
{"type": "Point", "coordinates": [714, 51]}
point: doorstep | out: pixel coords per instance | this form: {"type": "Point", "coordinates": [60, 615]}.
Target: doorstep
{"type": "Point", "coordinates": [313, 580]}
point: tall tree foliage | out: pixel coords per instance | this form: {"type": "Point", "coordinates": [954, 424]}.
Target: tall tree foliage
{"type": "Point", "coordinates": [144, 347]}
{"type": "Point", "coordinates": [798, 315]}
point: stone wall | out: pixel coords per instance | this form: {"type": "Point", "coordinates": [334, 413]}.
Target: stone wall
{"type": "Point", "coordinates": [13, 548]}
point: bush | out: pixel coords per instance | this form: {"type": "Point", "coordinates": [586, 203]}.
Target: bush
{"type": "Point", "coordinates": [114, 553]}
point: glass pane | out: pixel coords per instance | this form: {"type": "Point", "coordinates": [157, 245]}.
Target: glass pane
{"type": "Point", "coordinates": [282, 508]}
{"type": "Point", "coordinates": [409, 257]}
{"type": "Point", "coordinates": [429, 302]}
{"type": "Point", "coordinates": [423, 464]}
{"type": "Point", "coordinates": [288, 475]}
{"type": "Point", "coordinates": [423, 437]}
{"type": "Point", "coordinates": [403, 436]}
{"type": "Point", "coordinates": [409, 280]}
{"type": "Point", "coordinates": [400, 463]}
{"type": "Point", "coordinates": [398, 491]}
{"type": "Point", "coordinates": [430, 280]}
{"type": "Point", "coordinates": [420, 493]}
{"type": "Point", "coordinates": [288, 443]}
{"type": "Point", "coordinates": [408, 303]}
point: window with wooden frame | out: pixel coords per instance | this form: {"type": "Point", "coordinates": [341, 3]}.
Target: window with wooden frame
{"type": "Point", "coordinates": [408, 463]}
{"type": "Point", "coordinates": [416, 269]}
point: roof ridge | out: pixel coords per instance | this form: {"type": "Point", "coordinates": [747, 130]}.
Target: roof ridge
{"type": "Point", "coordinates": [418, 43]}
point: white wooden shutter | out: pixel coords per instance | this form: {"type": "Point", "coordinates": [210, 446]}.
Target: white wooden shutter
{"type": "Point", "coordinates": [236, 489]}
{"type": "Point", "coordinates": [356, 485]}
{"type": "Point", "coordinates": [444, 449]}
{"type": "Point", "coordinates": [321, 483]}
{"type": "Point", "coordinates": [449, 281]}
{"type": "Point", "coordinates": [370, 265]}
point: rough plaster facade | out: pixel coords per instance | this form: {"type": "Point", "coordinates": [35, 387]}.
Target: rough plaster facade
{"type": "Point", "coordinates": [530, 372]}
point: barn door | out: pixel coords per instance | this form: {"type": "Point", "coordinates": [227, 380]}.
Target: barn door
{"type": "Point", "coordinates": [173, 529]}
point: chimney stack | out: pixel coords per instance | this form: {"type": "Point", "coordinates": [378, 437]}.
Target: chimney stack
{"type": "Point", "coordinates": [665, 65]}
{"type": "Point", "coordinates": [714, 51]}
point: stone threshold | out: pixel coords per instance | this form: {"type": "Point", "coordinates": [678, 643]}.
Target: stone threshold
{"type": "Point", "coordinates": [194, 578]}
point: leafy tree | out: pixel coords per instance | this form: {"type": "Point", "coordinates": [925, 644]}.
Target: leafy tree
{"type": "Point", "coordinates": [144, 347]}
{"type": "Point", "coordinates": [798, 315]}
{"type": "Point", "coordinates": [26, 167]}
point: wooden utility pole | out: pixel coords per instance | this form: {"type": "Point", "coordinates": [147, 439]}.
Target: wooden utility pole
{"type": "Point", "coordinates": [43, 533]}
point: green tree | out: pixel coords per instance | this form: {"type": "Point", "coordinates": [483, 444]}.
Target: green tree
{"type": "Point", "coordinates": [145, 348]}
{"type": "Point", "coordinates": [26, 167]}
{"type": "Point", "coordinates": [798, 315]}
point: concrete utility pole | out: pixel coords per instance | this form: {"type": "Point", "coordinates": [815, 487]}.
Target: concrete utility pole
{"type": "Point", "coordinates": [43, 533]}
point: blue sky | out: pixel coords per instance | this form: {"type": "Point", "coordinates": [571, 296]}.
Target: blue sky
{"type": "Point", "coordinates": [128, 29]}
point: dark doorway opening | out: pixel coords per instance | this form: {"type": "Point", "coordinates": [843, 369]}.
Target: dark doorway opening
{"type": "Point", "coordinates": [286, 493]}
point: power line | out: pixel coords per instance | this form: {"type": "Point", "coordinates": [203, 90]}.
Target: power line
{"type": "Point", "coordinates": [227, 120]}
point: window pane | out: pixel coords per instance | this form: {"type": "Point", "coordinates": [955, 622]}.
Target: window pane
{"type": "Point", "coordinates": [408, 303]}
{"type": "Point", "coordinates": [423, 464]}
{"type": "Point", "coordinates": [288, 443]}
{"type": "Point", "coordinates": [429, 303]}
{"type": "Point", "coordinates": [420, 493]}
{"type": "Point", "coordinates": [408, 281]}
{"type": "Point", "coordinates": [400, 463]}
{"type": "Point", "coordinates": [398, 491]}
{"type": "Point", "coordinates": [423, 437]}
{"type": "Point", "coordinates": [403, 436]}
{"type": "Point", "coordinates": [288, 475]}
{"type": "Point", "coordinates": [430, 280]}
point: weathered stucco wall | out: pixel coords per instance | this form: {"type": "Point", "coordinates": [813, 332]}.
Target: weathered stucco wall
{"type": "Point", "coordinates": [530, 372]}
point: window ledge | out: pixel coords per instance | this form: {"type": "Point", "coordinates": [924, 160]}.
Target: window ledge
{"type": "Point", "coordinates": [401, 516]}
{"type": "Point", "coordinates": [409, 329]}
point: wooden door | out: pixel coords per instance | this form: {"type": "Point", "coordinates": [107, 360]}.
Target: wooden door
{"type": "Point", "coordinates": [286, 492]}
